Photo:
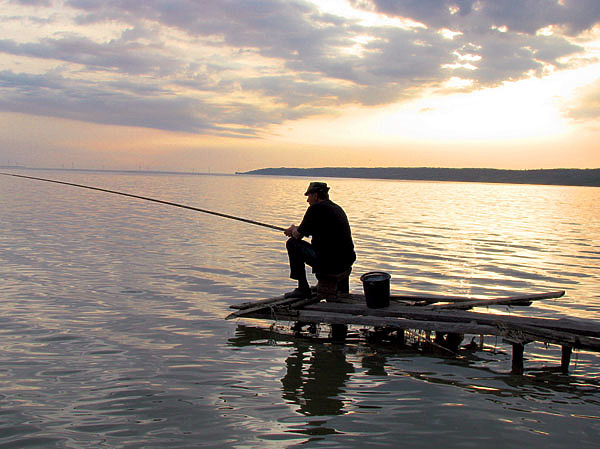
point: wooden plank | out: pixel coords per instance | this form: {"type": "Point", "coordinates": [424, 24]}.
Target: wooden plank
{"type": "Point", "coordinates": [514, 333]}
{"type": "Point", "coordinates": [530, 333]}
{"type": "Point", "coordinates": [512, 300]}
{"type": "Point", "coordinates": [432, 299]}
{"type": "Point", "coordinates": [396, 323]}
{"type": "Point", "coordinates": [305, 302]}
{"type": "Point", "coordinates": [424, 298]}
{"type": "Point", "coordinates": [246, 305]}
{"type": "Point", "coordinates": [419, 299]}
{"type": "Point", "coordinates": [259, 302]}
{"type": "Point", "coordinates": [277, 302]}
{"type": "Point", "coordinates": [309, 316]}
{"type": "Point", "coordinates": [588, 328]}
{"type": "Point", "coordinates": [276, 315]}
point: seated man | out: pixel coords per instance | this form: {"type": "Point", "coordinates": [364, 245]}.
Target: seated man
{"type": "Point", "coordinates": [331, 249]}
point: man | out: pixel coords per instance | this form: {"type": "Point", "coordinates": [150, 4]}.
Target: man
{"type": "Point", "coordinates": [331, 249]}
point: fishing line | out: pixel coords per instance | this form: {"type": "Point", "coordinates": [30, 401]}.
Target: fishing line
{"type": "Point", "coordinates": [168, 203]}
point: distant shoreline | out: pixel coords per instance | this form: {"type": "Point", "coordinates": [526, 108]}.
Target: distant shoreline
{"type": "Point", "coordinates": [584, 177]}
{"type": "Point", "coordinates": [554, 176]}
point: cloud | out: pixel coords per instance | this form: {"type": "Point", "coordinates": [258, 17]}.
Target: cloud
{"type": "Point", "coordinates": [117, 55]}
{"type": "Point", "coordinates": [130, 104]}
{"type": "Point", "coordinates": [525, 16]}
{"type": "Point", "coordinates": [587, 104]}
{"type": "Point", "coordinates": [36, 3]}
{"type": "Point", "coordinates": [53, 95]}
{"type": "Point", "coordinates": [237, 67]}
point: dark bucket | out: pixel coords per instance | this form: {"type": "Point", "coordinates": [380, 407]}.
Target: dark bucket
{"type": "Point", "coordinates": [376, 285]}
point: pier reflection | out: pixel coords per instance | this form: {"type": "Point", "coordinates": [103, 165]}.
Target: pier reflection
{"type": "Point", "coordinates": [318, 370]}
{"type": "Point", "coordinates": [360, 386]}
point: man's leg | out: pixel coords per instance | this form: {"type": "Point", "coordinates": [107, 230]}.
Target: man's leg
{"type": "Point", "coordinates": [300, 254]}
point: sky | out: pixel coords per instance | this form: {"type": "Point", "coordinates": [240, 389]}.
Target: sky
{"type": "Point", "coordinates": [235, 85]}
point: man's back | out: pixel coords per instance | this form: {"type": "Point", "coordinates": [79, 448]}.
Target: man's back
{"type": "Point", "coordinates": [327, 224]}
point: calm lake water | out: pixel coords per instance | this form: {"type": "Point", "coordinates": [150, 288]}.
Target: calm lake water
{"type": "Point", "coordinates": [112, 330]}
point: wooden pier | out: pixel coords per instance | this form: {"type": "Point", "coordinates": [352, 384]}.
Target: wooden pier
{"type": "Point", "coordinates": [448, 317]}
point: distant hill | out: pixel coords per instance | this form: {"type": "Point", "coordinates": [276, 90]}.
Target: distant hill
{"type": "Point", "coordinates": [559, 176]}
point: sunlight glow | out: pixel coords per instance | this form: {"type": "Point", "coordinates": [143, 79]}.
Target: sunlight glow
{"type": "Point", "coordinates": [458, 83]}
{"type": "Point", "coordinates": [487, 115]}
{"type": "Point", "coordinates": [449, 34]}
{"type": "Point", "coordinates": [358, 48]}
{"type": "Point", "coordinates": [490, 115]}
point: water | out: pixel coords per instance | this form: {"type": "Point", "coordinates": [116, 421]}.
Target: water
{"type": "Point", "coordinates": [112, 331]}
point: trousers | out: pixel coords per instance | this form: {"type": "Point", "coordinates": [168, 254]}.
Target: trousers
{"type": "Point", "coordinates": [300, 253]}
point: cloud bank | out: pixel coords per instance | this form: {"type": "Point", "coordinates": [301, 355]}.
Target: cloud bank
{"type": "Point", "coordinates": [235, 68]}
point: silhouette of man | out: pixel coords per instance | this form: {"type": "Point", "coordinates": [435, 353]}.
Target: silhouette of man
{"type": "Point", "coordinates": [331, 249]}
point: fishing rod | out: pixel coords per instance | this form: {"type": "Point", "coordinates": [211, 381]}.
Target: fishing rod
{"type": "Point", "coordinates": [168, 203]}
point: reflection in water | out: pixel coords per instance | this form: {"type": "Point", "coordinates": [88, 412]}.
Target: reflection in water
{"type": "Point", "coordinates": [342, 390]}
{"type": "Point", "coordinates": [316, 372]}
{"type": "Point", "coordinates": [315, 378]}
{"type": "Point", "coordinates": [374, 364]}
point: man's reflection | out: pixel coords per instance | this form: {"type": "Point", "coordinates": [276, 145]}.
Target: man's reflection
{"type": "Point", "coordinates": [374, 364]}
{"type": "Point", "coordinates": [316, 372]}
{"type": "Point", "coordinates": [315, 378]}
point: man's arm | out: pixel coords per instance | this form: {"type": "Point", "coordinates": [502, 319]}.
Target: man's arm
{"type": "Point", "coordinates": [292, 231]}
{"type": "Point", "coordinates": [305, 228]}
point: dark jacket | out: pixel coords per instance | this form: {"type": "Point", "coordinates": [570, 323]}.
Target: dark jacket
{"type": "Point", "coordinates": [327, 224]}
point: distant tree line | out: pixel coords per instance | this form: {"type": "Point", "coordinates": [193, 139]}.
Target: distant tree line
{"type": "Point", "coordinates": [559, 176]}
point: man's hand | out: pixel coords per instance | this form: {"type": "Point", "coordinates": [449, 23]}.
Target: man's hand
{"type": "Point", "coordinates": [292, 231]}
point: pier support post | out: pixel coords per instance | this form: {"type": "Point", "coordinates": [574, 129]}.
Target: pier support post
{"type": "Point", "coordinates": [400, 337]}
{"type": "Point", "coordinates": [566, 358]}
{"type": "Point", "coordinates": [339, 332]}
{"type": "Point", "coordinates": [517, 358]}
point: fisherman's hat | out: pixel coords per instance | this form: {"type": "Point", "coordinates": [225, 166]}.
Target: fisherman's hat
{"type": "Point", "coordinates": [314, 187]}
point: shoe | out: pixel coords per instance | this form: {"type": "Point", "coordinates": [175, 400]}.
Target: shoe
{"type": "Point", "coordinates": [298, 293]}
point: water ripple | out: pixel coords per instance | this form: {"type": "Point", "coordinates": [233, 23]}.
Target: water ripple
{"type": "Point", "coordinates": [112, 330]}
